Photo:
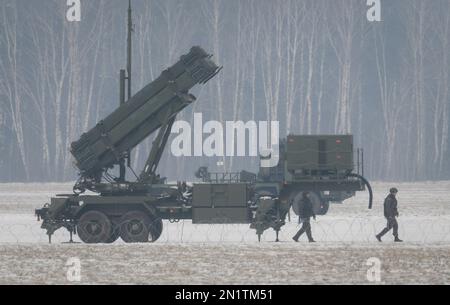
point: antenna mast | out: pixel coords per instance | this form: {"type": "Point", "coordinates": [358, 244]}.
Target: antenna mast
{"type": "Point", "coordinates": [124, 78]}
{"type": "Point", "coordinates": [129, 49]}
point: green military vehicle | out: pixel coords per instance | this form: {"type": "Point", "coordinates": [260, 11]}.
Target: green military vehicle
{"type": "Point", "coordinates": [134, 211]}
{"type": "Point", "coordinates": [119, 208]}
{"type": "Point", "coordinates": [322, 165]}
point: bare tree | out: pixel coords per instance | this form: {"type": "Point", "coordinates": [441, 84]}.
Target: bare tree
{"type": "Point", "coordinates": [342, 39]}
{"type": "Point", "coordinates": [442, 97]}
{"type": "Point", "coordinates": [391, 101]}
{"type": "Point", "coordinates": [272, 57]}
{"type": "Point", "coordinates": [11, 85]}
{"type": "Point", "coordinates": [250, 45]}
{"type": "Point", "coordinates": [296, 12]}
{"type": "Point", "coordinates": [213, 18]}
{"type": "Point", "coordinates": [416, 31]}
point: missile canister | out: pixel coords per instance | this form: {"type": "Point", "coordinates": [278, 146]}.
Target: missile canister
{"type": "Point", "coordinates": [104, 145]}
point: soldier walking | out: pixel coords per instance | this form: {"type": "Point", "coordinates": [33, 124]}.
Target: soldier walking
{"type": "Point", "coordinates": [391, 214]}
{"type": "Point", "coordinates": [305, 213]}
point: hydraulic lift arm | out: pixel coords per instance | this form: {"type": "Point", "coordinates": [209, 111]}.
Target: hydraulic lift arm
{"type": "Point", "coordinates": [153, 108]}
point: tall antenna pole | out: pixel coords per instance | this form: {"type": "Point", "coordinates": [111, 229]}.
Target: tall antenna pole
{"type": "Point", "coordinates": [129, 50]}
{"type": "Point", "coordinates": [123, 78]}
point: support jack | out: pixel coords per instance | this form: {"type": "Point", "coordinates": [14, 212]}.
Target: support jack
{"type": "Point", "coordinates": [71, 239]}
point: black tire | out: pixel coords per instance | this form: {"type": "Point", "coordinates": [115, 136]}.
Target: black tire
{"type": "Point", "coordinates": [320, 206]}
{"type": "Point", "coordinates": [115, 234]}
{"type": "Point", "coordinates": [156, 229]}
{"type": "Point", "coordinates": [94, 227]}
{"type": "Point", "coordinates": [324, 208]}
{"type": "Point", "coordinates": [135, 227]}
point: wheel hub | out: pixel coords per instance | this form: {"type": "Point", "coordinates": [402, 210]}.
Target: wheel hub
{"type": "Point", "coordinates": [135, 227]}
{"type": "Point", "coordinates": [93, 228]}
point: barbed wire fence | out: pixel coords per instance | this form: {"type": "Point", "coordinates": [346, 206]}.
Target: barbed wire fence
{"type": "Point", "coordinates": [328, 229]}
{"type": "Point", "coordinates": [424, 218]}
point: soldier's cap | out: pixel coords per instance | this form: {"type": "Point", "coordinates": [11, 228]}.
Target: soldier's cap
{"type": "Point", "coordinates": [393, 190]}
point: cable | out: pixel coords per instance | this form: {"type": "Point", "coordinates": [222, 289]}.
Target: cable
{"type": "Point", "coordinates": [369, 188]}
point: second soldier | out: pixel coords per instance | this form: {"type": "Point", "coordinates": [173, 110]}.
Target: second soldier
{"type": "Point", "coordinates": [306, 211]}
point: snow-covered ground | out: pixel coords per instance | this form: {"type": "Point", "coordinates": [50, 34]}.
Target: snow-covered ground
{"type": "Point", "coordinates": [226, 263]}
{"type": "Point", "coordinates": [229, 254]}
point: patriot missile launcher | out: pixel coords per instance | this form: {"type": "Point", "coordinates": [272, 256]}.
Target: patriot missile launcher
{"type": "Point", "coordinates": [131, 210]}
{"type": "Point", "coordinates": [134, 211]}
{"type": "Point", "coordinates": [153, 108]}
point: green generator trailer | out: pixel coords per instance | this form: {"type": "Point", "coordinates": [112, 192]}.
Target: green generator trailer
{"type": "Point", "coordinates": [322, 165]}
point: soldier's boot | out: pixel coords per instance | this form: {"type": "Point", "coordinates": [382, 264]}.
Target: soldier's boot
{"type": "Point", "coordinates": [382, 233]}
{"type": "Point", "coordinates": [398, 240]}
{"type": "Point", "coordinates": [310, 238]}
{"type": "Point", "coordinates": [297, 236]}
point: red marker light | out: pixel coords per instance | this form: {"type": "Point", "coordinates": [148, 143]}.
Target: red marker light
{"type": "Point", "coordinates": [338, 141]}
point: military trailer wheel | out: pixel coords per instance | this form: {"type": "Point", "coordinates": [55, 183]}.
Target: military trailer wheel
{"type": "Point", "coordinates": [156, 229]}
{"type": "Point", "coordinates": [324, 208]}
{"type": "Point", "coordinates": [115, 234]}
{"type": "Point", "coordinates": [94, 227]}
{"type": "Point", "coordinates": [320, 206]}
{"type": "Point", "coordinates": [135, 227]}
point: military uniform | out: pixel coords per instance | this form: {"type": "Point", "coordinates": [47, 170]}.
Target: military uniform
{"type": "Point", "coordinates": [305, 213]}
{"type": "Point", "coordinates": [390, 212]}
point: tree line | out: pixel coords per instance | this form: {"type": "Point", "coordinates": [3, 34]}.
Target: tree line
{"type": "Point", "coordinates": [316, 66]}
